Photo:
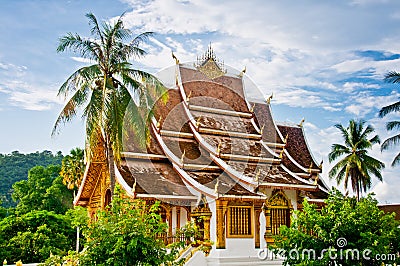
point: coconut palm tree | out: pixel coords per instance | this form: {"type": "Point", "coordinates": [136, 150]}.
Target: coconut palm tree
{"type": "Point", "coordinates": [73, 168]}
{"type": "Point", "coordinates": [104, 89]}
{"type": "Point", "coordinates": [355, 165]}
{"type": "Point", "coordinates": [392, 77]}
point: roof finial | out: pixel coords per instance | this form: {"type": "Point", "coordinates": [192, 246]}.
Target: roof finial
{"type": "Point", "coordinates": [216, 186]}
{"type": "Point", "coordinates": [134, 187]}
{"type": "Point", "coordinates": [302, 122]}
{"type": "Point", "coordinates": [219, 148]}
{"type": "Point", "coordinates": [270, 98]}
{"type": "Point", "coordinates": [310, 168]}
{"type": "Point", "coordinates": [198, 122]}
{"type": "Point", "coordinates": [252, 108]}
{"type": "Point", "coordinates": [242, 72]}
{"type": "Point", "coordinates": [281, 154]}
{"type": "Point", "coordinates": [320, 165]}
{"type": "Point", "coordinates": [183, 156]}
{"type": "Point", "coordinates": [262, 129]}
{"type": "Point", "coordinates": [316, 180]}
{"type": "Point", "coordinates": [159, 123]}
{"type": "Point", "coordinates": [188, 97]}
{"type": "Point", "coordinates": [286, 138]}
{"type": "Point", "coordinates": [174, 57]}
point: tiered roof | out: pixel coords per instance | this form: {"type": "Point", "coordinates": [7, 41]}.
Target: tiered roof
{"type": "Point", "coordinates": [208, 140]}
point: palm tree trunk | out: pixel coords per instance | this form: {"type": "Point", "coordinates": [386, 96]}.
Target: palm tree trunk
{"type": "Point", "coordinates": [110, 159]}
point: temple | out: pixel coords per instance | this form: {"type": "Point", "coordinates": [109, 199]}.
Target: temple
{"type": "Point", "coordinates": [215, 158]}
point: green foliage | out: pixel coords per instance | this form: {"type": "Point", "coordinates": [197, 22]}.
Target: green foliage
{"type": "Point", "coordinates": [355, 166]}
{"type": "Point", "coordinates": [14, 167]}
{"type": "Point", "coordinates": [360, 223]}
{"type": "Point", "coordinates": [43, 190]}
{"type": "Point", "coordinates": [32, 237]}
{"type": "Point", "coordinates": [73, 168]}
{"type": "Point", "coordinates": [124, 234]}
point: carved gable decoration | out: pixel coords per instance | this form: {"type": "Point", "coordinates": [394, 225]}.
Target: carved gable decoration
{"type": "Point", "coordinates": [278, 199]}
{"type": "Point", "coordinates": [209, 65]}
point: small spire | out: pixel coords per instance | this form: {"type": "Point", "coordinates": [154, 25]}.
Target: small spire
{"type": "Point", "coordinates": [252, 108]}
{"type": "Point", "coordinates": [219, 148]}
{"type": "Point", "coordinates": [310, 168]}
{"type": "Point", "coordinates": [183, 156]}
{"type": "Point", "coordinates": [281, 154]}
{"type": "Point", "coordinates": [188, 96]}
{"type": "Point", "coordinates": [159, 123]}
{"type": "Point", "coordinates": [302, 122]}
{"type": "Point", "coordinates": [257, 177]}
{"type": "Point", "coordinates": [270, 98]}
{"type": "Point", "coordinates": [198, 122]}
{"type": "Point", "coordinates": [316, 180]}
{"type": "Point", "coordinates": [134, 187]}
{"type": "Point", "coordinates": [174, 57]}
{"type": "Point", "coordinates": [216, 186]}
{"type": "Point", "coordinates": [242, 72]}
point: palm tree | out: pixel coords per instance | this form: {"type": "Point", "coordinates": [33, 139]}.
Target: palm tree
{"type": "Point", "coordinates": [104, 89]}
{"type": "Point", "coordinates": [392, 77]}
{"type": "Point", "coordinates": [356, 163]}
{"type": "Point", "coordinates": [73, 168]}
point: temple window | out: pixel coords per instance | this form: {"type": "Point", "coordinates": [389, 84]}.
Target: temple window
{"type": "Point", "coordinates": [239, 221]}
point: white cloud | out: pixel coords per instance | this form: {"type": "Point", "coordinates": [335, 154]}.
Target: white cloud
{"type": "Point", "coordinates": [27, 95]}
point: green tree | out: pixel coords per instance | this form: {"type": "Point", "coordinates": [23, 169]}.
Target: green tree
{"type": "Point", "coordinates": [43, 190]}
{"type": "Point", "coordinates": [14, 167]}
{"type": "Point", "coordinates": [73, 168]}
{"type": "Point", "coordinates": [392, 77]}
{"type": "Point", "coordinates": [31, 237]}
{"type": "Point", "coordinates": [342, 224]}
{"type": "Point", "coordinates": [104, 88]}
{"type": "Point", "coordinates": [126, 234]}
{"type": "Point", "coordinates": [355, 165]}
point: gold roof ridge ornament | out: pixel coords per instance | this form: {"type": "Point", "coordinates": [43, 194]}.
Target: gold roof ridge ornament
{"type": "Point", "coordinates": [210, 65]}
{"type": "Point", "coordinates": [268, 100]}
{"type": "Point", "coordinates": [242, 72]}
{"type": "Point", "coordinates": [320, 165]}
{"type": "Point", "coordinates": [183, 157]}
{"type": "Point", "coordinates": [216, 186]}
{"type": "Point", "coordinates": [174, 57]}
{"type": "Point", "coordinates": [302, 122]}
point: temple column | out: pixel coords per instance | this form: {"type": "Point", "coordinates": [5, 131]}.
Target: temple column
{"type": "Point", "coordinates": [257, 212]}
{"type": "Point", "coordinates": [221, 210]}
{"type": "Point", "coordinates": [268, 226]}
{"type": "Point", "coordinates": [169, 217]}
{"type": "Point", "coordinates": [206, 221]}
{"type": "Point", "coordinates": [178, 217]}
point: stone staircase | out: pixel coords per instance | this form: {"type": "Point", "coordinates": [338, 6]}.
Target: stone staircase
{"type": "Point", "coordinates": [198, 259]}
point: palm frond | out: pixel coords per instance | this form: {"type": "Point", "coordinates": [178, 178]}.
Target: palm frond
{"type": "Point", "coordinates": [390, 142]}
{"type": "Point", "coordinates": [392, 77]}
{"type": "Point", "coordinates": [394, 107]}
{"type": "Point", "coordinates": [95, 30]}
{"type": "Point", "coordinates": [392, 125]}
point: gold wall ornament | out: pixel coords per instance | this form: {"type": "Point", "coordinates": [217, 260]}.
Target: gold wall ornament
{"type": "Point", "coordinates": [209, 65]}
{"type": "Point", "coordinates": [286, 138]}
{"type": "Point", "coordinates": [281, 154]}
{"type": "Point", "coordinates": [219, 148]}
{"type": "Point", "coordinates": [211, 69]}
{"type": "Point", "coordinates": [198, 122]}
{"type": "Point", "coordinates": [310, 168]}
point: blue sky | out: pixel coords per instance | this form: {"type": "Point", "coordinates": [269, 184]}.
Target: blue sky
{"type": "Point", "coordinates": [323, 60]}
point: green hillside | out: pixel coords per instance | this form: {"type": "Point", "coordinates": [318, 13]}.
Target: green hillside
{"type": "Point", "coordinates": [14, 167]}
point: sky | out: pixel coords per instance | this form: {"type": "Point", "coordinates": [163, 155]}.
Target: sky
{"type": "Point", "coordinates": [322, 60]}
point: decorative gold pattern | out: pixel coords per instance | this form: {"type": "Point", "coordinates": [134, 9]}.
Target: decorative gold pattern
{"type": "Point", "coordinates": [211, 69]}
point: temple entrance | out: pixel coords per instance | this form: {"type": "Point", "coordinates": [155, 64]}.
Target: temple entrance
{"type": "Point", "coordinates": [277, 211]}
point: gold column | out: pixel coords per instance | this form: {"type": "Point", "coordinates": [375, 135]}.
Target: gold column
{"type": "Point", "coordinates": [268, 226]}
{"type": "Point", "coordinates": [178, 217]}
{"type": "Point", "coordinates": [257, 212]}
{"type": "Point", "coordinates": [221, 210]}
{"type": "Point", "coordinates": [206, 221]}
